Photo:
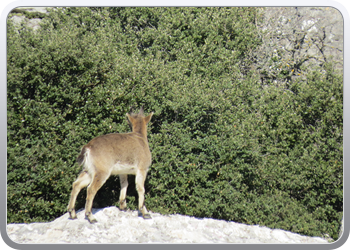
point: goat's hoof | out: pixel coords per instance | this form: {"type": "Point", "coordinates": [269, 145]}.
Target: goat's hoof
{"type": "Point", "coordinates": [92, 221]}
{"type": "Point", "coordinates": [72, 215]}
{"type": "Point", "coordinates": [147, 216]}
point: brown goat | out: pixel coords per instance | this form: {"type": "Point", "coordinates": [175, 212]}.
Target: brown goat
{"type": "Point", "coordinates": [114, 154]}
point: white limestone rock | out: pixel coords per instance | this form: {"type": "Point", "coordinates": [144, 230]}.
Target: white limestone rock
{"type": "Point", "coordinates": [115, 226]}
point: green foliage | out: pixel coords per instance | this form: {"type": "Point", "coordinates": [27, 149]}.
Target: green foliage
{"type": "Point", "coordinates": [222, 145]}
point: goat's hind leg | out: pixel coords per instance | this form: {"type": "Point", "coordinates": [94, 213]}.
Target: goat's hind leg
{"type": "Point", "coordinates": [82, 181]}
{"type": "Point", "coordinates": [140, 187]}
{"type": "Point", "coordinates": [123, 187]}
{"type": "Point", "coordinates": [97, 181]}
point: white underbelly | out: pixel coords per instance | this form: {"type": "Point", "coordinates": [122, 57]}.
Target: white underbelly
{"type": "Point", "coordinates": [122, 168]}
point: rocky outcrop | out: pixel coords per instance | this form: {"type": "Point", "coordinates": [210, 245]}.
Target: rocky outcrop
{"type": "Point", "coordinates": [31, 16]}
{"type": "Point", "coordinates": [297, 40]}
{"type": "Point", "coordinates": [316, 32]}
{"type": "Point", "coordinates": [115, 226]}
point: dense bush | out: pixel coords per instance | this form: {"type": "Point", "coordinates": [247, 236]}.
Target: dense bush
{"type": "Point", "coordinates": [223, 146]}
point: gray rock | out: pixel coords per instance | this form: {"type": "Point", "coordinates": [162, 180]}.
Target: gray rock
{"type": "Point", "coordinates": [115, 226]}
{"type": "Point", "coordinates": [341, 227]}
{"type": "Point", "coordinates": [20, 16]}
{"type": "Point", "coordinates": [34, 9]}
{"type": "Point", "coordinates": [17, 19]}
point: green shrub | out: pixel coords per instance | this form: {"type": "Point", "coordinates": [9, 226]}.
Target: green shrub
{"type": "Point", "coordinates": [222, 145]}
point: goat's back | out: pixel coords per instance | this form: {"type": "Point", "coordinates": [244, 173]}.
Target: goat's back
{"type": "Point", "coordinates": [117, 153]}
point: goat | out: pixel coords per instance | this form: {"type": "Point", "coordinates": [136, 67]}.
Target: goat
{"type": "Point", "coordinates": [114, 154]}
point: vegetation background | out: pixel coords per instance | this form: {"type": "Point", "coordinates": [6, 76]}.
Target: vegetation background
{"type": "Point", "coordinates": [245, 129]}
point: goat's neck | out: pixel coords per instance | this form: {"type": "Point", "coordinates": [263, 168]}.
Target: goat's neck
{"type": "Point", "coordinates": [142, 132]}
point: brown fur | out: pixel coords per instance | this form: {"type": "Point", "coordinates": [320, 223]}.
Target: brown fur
{"type": "Point", "coordinates": [114, 154]}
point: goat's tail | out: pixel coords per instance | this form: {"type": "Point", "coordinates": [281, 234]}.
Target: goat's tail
{"type": "Point", "coordinates": [82, 155]}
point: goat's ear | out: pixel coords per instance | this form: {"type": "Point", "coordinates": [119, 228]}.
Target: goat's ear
{"type": "Point", "coordinates": [128, 118]}
{"type": "Point", "coordinates": [148, 118]}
